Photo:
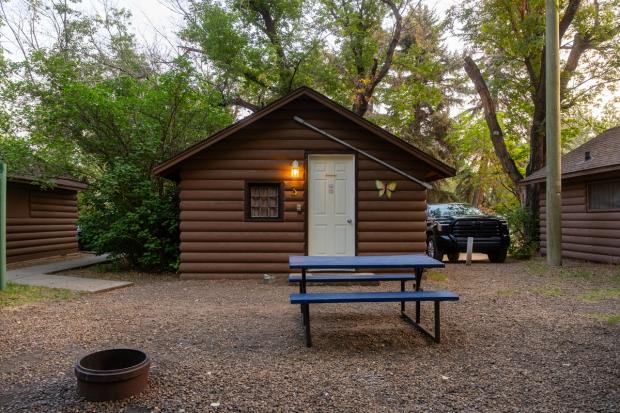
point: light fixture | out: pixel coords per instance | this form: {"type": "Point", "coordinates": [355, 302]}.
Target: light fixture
{"type": "Point", "coordinates": [295, 170]}
{"type": "Point", "coordinates": [295, 174]}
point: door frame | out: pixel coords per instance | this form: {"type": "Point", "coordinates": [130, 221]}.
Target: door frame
{"type": "Point", "coordinates": [306, 170]}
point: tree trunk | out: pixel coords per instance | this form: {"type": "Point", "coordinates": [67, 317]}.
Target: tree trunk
{"type": "Point", "coordinates": [537, 137]}
{"type": "Point", "coordinates": [490, 115]}
{"type": "Point", "coordinates": [531, 203]}
{"type": "Point", "coordinates": [360, 104]}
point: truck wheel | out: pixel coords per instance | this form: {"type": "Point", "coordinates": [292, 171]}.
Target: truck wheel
{"type": "Point", "coordinates": [498, 256]}
{"type": "Point", "coordinates": [453, 256]}
{"type": "Point", "coordinates": [432, 250]}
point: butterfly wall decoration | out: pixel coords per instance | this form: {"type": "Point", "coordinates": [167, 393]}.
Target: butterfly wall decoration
{"type": "Point", "coordinates": [385, 188]}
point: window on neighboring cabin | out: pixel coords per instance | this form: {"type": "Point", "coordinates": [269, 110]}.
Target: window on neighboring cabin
{"type": "Point", "coordinates": [263, 201]}
{"type": "Point", "coordinates": [604, 196]}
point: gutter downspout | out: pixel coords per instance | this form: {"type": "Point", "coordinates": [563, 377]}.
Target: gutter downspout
{"type": "Point", "coordinates": [340, 141]}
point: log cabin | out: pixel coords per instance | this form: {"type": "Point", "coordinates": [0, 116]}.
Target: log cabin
{"type": "Point", "coordinates": [301, 176]}
{"type": "Point", "coordinates": [41, 221]}
{"type": "Point", "coordinates": [590, 200]}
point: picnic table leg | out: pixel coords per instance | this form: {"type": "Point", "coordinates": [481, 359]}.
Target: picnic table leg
{"type": "Point", "coordinates": [307, 330]}
{"type": "Point", "coordinates": [418, 283]}
{"type": "Point", "coordinates": [402, 303]}
{"type": "Point", "coordinates": [437, 323]}
{"type": "Point", "coordinates": [302, 290]}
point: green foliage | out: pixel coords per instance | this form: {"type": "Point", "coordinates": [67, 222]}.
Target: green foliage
{"type": "Point", "coordinates": [259, 50]}
{"type": "Point", "coordinates": [357, 29]}
{"type": "Point", "coordinates": [422, 84]}
{"type": "Point", "coordinates": [520, 223]}
{"type": "Point", "coordinates": [509, 38]}
{"type": "Point", "coordinates": [480, 179]}
{"type": "Point", "coordinates": [126, 126]}
{"type": "Point", "coordinates": [126, 215]}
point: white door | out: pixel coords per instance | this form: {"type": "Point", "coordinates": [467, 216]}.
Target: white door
{"type": "Point", "coordinates": [331, 205]}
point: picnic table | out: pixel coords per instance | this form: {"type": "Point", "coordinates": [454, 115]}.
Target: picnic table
{"type": "Point", "coordinates": [416, 262]}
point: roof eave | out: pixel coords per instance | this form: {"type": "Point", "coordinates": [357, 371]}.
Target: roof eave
{"type": "Point", "coordinates": [60, 183]}
{"type": "Point", "coordinates": [575, 174]}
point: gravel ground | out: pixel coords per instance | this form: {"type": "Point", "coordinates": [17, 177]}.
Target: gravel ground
{"type": "Point", "coordinates": [520, 339]}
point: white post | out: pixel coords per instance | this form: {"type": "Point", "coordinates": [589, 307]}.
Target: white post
{"type": "Point", "coordinates": [470, 249]}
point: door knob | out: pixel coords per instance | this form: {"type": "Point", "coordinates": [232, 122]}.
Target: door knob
{"type": "Point", "coordinates": [349, 221]}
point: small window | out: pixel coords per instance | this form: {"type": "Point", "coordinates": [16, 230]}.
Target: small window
{"type": "Point", "coordinates": [604, 196]}
{"type": "Point", "coordinates": [263, 201]}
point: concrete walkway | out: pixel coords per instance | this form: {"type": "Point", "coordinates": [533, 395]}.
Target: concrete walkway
{"type": "Point", "coordinates": [42, 275]}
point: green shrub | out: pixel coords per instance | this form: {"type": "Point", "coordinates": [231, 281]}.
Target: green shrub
{"type": "Point", "coordinates": [134, 217]}
{"type": "Point", "coordinates": [521, 225]}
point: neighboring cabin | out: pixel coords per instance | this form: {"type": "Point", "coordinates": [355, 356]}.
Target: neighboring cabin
{"type": "Point", "coordinates": [41, 222]}
{"type": "Point", "coordinates": [268, 187]}
{"type": "Point", "coordinates": [590, 200]}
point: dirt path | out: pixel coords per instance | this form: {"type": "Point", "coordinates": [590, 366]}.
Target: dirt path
{"type": "Point", "coordinates": [520, 339]}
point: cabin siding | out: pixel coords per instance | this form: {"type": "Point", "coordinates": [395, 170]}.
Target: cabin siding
{"type": "Point", "coordinates": [217, 241]}
{"type": "Point", "coordinates": [586, 235]}
{"type": "Point", "coordinates": [40, 223]}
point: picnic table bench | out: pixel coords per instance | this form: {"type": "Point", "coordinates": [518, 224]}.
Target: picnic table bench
{"type": "Point", "coordinates": [416, 262]}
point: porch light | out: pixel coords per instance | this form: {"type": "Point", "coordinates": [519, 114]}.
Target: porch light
{"type": "Point", "coordinates": [295, 170]}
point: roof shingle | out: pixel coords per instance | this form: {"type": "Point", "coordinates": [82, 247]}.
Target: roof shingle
{"type": "Point", "coordinates": [604, 153]}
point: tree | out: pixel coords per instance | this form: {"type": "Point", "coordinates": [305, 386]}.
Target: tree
{"type": "Point", "coordinates": [257, 50]}
{"type": "Point", "coordinates": [422, 85]}
{"type": "Point", "coordinates": [508, 38]}
{"type": "Point", "coordinates": [364, 51]}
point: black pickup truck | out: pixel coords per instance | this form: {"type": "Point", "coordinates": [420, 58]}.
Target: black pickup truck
{"type": "Point", "coordinates": [449, 225]}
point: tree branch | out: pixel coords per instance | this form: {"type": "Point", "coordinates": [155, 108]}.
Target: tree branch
{"type": "Point", "coordinates": [239, 101]}
{"type": "Point", "coordinates": [580, 45]}
{"type": "Point", "coordinates": [569, 15]}
{"type": "Point", "coordinates": [364, 88]}
{"type": "Point", "coordinates": [565, 22]}
{"type": "Point", "coordinates": [490, 115]}
{"type": "Point", "coordinates": [387, 63]}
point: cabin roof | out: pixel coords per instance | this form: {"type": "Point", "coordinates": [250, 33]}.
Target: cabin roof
{"type": "Point", "coordinates": [170, 167]}
{"type": "Point", "coordinates": [59, 182]}
{"type": "Point", "coordinates": [598, 155]}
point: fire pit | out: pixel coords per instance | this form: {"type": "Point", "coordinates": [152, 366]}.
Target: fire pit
{"type": "Point", "coordinates": [112, 374]}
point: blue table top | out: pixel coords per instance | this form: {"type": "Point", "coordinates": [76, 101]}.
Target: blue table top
{"type": "Point", "coordinates": [369, 261]}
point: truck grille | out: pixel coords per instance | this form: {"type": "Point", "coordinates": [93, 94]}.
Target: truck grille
{"type": "Point", "coordinates": [476, 228]}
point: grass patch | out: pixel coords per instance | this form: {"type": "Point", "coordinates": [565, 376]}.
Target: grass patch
{"type": "Point", "coordinates": [436, 276]}
{"type": "Point", "coordinates": [507, 292]}
{"type": "Point", "coordinates": [575, 270]}
{"type": "Point", "coordinates": [601, 294]}
{"type": "Point", "coordinates": [17, 294]}
{"type": "Point", "coordinates": [536, 267]}
{"type": "Point", "coordinates": [611, 319]}
{"type": "Point", "coordinates": [550, 291]}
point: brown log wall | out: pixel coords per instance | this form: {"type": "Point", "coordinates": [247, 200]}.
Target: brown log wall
{"type": "Point", "coordinates": [216, 241]}
{"type": "Point", "coordinates": [591, 236]}
{"type": "Point", "coordinates": [40, 223]}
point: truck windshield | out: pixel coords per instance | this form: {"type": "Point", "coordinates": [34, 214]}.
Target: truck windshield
{"type": "Point", "coordinates": [451, 210]}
